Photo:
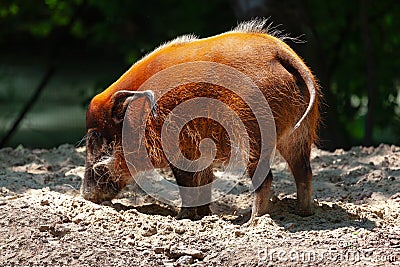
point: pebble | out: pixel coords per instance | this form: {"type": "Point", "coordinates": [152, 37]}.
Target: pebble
{"type": "Point", "coordinates": [159, 250]}
{"type": "Point", "coordinates": [146, 252]}
{"type": "Point", "coordinates": [130, 241]}
{"type": "Point", "coordinates": [44, 228]}
{"type": "Point", "coordinates": [149, 231]}
{"type": "Point", "coordinates": [176, 252]}
{"type": "Point", "coordinates": [289, 226]}
{"type": "Point", "coordinates": [180, 230]}
{"type": "Point", "coordinates": [378, 213]}
{"type": "Point", "coordinates": [24, 206]}
{"type": "Point", "coordinates": [212, 218]}
{"type": "Point", "coordinates": [239, 233]}
{"type": "Point", "coordinates": [44, 202]}
{"type": "Point", "coordinates": [335, 179]}
{"type": "Point", "coordinates": [363, 195]}
{"type": "Point", "coordinates": [274, 199]}
{"type": "Point", "coordinates": [395, 196]}
{"type": "Point", "coordinates": [168, 263]}
{"type": "Point", "coordinates": [78, 218]}
{"type": "Point", "coordinates": [185, 260]}
{"type": "Point", "coordinates": [107, 203]}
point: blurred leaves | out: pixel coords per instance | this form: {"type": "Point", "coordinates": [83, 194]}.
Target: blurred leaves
{"type": "Point", "coordinates": [125, 25]}
{"type": "Point", "coordinates": [129, 29]}
{"type": "Point", "coordinates": [337, 25]}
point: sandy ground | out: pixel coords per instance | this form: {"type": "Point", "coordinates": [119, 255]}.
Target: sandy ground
{"type": "Point", "coordinates": [44, 221]}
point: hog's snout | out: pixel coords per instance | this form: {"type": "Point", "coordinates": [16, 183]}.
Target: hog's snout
{"type": "Point", "coordinates": [98, 193]}
{"type": "Point", "coordinates": [98, 184]}
{"type": "Point", "coordinates": [97, 197]}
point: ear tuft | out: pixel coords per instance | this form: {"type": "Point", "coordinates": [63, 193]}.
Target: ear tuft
{"type": "Point", "coordinates": [153, 104]}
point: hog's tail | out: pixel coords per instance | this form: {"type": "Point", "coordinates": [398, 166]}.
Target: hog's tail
{"type": "Point", "coordinates": [292, 62]}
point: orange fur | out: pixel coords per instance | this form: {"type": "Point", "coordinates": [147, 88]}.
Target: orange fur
{"type": "Point", "coordinates": [272, 65]}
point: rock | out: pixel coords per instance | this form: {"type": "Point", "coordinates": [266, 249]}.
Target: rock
{"type": "Point", "coordinates": [274, 199]}
{"type": "Point", "coordinates": [107, 203]}
{"type": "Point", "coordinates": [168, 263]}
{"type": "Point", "coordinates": [59, 231]}
{"type": "Point", "coordinates": [146, 252]}
{"type": "Point", "coordinates": [395, 196]}
{"type": "Point", "coordinates": [176, 252]}
{"type": "Point", "coordinates": [65, 219]}
{"type": "Point", "coordinates": [289, 226]}
{"type": "Point", "coordinates": [78, 218]}
{"type": "Point", "coordinates": [159, 250]}
{"type": "Point", "coordinates": [197, 254]}
{"type": "Point", "coordinates": [363, 195]}
{"type": "Point", "coordinates": [336, 179]}
{"type": "Point", "coordinates": [239, 233]}
{"type": "Point", "coordinates": [24, 206]}
{"type": "Point", "coordinates": [212, 218]}
{"type": "Point", "coordinates": [44, 202]}
{"type": "Point", "coordinates": [44, 228]}
{"type": "Point", "coordinates": [130, 241]}
{"type": "Point", "coordinates": [378, 212]}
{"type": "Point", "coordinates": [149, 231]}
{"type": "Point", "coordinates": [185, 260]}
{"type": "Point", "coordinates": [180, 230]}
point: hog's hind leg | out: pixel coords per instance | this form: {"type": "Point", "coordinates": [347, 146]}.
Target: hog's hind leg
{"type": "Point", "coordinates": [298, 159]}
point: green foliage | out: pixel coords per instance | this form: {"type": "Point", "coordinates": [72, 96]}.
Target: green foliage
{"type": "Point", "coordinates": [132, 28]}
{"type": "Point", "coordinates": [338, 26]}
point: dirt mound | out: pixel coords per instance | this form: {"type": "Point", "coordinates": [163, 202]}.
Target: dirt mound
{"type": "Point", "coordinates": [44, 221]}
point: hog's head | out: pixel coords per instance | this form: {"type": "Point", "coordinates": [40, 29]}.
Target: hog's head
{"type": "Point", "coordinates": [106, 171]}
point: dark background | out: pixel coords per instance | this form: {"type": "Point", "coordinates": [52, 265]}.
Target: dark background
{"type": "Point", "coordinates": [56, 55]}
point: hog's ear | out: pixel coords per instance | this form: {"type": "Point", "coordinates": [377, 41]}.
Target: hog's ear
{"type": "Point", "coordinates": [122, 99]}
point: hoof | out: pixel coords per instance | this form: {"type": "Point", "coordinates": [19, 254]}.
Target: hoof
{"type": "Point", "coordinates": [187, 213]}
{"type": "Point", "coordinates": [204, 211]}
{"type": "Point", "coordinates": [195, 213]}
{"type": "Point", "coordinates": [260, 210]}
{"type": "Point", "coordinates": [304, 212]}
